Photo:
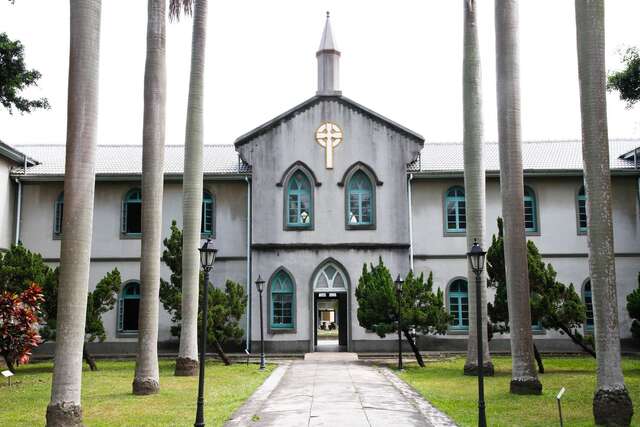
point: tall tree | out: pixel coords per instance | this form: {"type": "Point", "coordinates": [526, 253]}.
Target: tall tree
{"type": "Point", "coordinates": [474, 180]}
{"type": "Point", "coordinates": [65, 409]}
{"type": "Point", "coordinates": [524, 379]}
{"type": "Point", "coordinates": [611, 402]}
{"type": "Point", "coordinates": [15, 77]}
{"type": "Point", "coordinates": [187, 361]}
{"type": "Point", "coordinates": [147, 375]}
{"type": "Point", "coordinates": [627, 81]}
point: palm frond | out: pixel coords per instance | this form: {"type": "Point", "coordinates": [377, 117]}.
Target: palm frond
{"type": "Point", "coordinates": [180, 6]}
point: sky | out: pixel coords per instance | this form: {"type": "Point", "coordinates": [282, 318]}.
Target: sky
{"type": "Point", "coordinates": [402, 59]}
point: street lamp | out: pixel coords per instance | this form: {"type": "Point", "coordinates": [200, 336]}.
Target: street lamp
{"type": "Point", "coordinates": [207, 258]}
{"type": "Point", "coordinates": [476, 260]}
{"type": "Point", "coordinates": [260, 286]}
{"type": "Point", "coordinates": [399, 283]}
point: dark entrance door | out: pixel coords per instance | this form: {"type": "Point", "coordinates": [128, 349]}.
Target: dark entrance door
{"type": "Point", "coordinates": [342, 321]}
{"type": "Point", "coordinates": [341, 317]}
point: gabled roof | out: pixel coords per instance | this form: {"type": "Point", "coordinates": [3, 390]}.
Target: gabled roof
{"type": "Point", "coordinates": [288, 115]}
{"type": "Point", "coordinates": [538, 157]}
{"type": "Point", "coordinates": [119, 161]}
{"type": "Point", "coordinates": [15, 156]}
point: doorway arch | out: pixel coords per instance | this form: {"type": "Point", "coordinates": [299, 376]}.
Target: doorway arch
{"type": "Point", "coordinates": [331, 280]}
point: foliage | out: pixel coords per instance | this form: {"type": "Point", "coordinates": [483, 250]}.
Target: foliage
{"type": "Point", "coordinates": [19, 268]}
{"type": "Point", "coordinates": [633, 307]}
{"type": "Point", "coordinates": [226, 307]}
{"type": "Point", "coordinates": [553, 304]}
{"type": "Point", "coordinates": [15, 77]}
{"type": "Point", "coordinates": [19, 318]}
{"type": "Point", "coordinates": [420, 308]}
{"type": "Point", "coordinates": [101, 300]}
{"type": "Point", "coordinates": [627, 81]}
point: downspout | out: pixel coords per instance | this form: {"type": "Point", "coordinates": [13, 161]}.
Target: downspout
{"type": "Point", "coordinates": [249, 287]}
{"type": "Point", "coordinates": [410, 221]}
{"type": "Point", "coordinates": [19, 202]}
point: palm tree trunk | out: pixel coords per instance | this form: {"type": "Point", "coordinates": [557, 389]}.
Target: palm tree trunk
{"type": "Point", "coordinates": [474, 180]}
{"type": "Point", "coordinates": [611, 402]}
{"type": "Point", "coordinates": [524, 379]}
{"type": "Point", "coordinates": [147, 376]}
{"type": "Point", "coordinates": [187, 362]}
{"type": "Point", "coordinates": [79, 185]}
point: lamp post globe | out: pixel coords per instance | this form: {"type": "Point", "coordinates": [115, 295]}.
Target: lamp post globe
{"type": "Point", "coordinates": [399, 282]}
{"type": "Point", "coordinates": [260, 286]}
{"type": "Point", "coordinates": [476, 261]}
{"type": "Point", "coordinates": [208, 253]}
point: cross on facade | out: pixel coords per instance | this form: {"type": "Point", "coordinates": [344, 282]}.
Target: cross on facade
{"type": "Point", "coordinates": [329, 135]}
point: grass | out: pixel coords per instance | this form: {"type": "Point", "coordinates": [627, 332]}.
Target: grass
{"type": "Point", "coordinates": [443, 384]}
{"type": "Point", "coordinates": [107, 398]}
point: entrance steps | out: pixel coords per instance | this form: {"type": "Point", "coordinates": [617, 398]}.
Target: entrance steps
{"type": "Point", "coordinates": [331, 357]}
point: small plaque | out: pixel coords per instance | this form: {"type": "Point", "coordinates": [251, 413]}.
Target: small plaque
{"type": "Point", "coordinates": [7, 373]}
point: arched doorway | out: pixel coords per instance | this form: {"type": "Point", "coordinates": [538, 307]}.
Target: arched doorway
{"type": "Point", "coordinates": [330, 317]}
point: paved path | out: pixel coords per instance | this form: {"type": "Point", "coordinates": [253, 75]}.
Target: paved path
{"type": "Point", "coordinates": [334, 389]}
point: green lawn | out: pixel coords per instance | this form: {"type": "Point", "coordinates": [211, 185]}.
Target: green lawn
{"type": "Point", "coordinates": [107, 398]}
{"type": "Point", "coordinates": [443, 384]}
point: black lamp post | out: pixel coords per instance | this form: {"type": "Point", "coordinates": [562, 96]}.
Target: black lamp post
{"type": "Point", "coordinates": [207, 258]}
{"type": "Point", "coordinates": [399, 283]}
{"type": "Point", "coordinates": [260, 286]}
{"type": "Point", "coordinates": [476, 260]}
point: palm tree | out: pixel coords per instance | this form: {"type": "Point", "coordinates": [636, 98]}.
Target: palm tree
{"type": "Point", "coordinates": [524, 378]}
{"type": "Point", "coordinates": [474, 178]}
{"type": "Point", "coordinates": [147, 376]}
{"type": "Point", "coordinates": [79, 184]}
{"type": "Point", "coordinates": [187, 361]}
{"type": "Point", "coordinates": [611, 402]}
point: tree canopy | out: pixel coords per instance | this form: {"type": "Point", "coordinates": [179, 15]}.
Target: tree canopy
{"type": "Point", "coordinates": [627, 80]}
{"type": "Point", "coordinates": [15, 77]}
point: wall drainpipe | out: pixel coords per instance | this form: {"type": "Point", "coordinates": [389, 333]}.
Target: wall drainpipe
{"type": "Point", "coordinates": [19, 202]}
{"type": "Point", "coordinates": [249, 284]}
{"type": "Point", "coordinates": [410, 221]}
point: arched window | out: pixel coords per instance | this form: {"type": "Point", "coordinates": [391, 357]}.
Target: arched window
{"type": "Point", "coordinates": [456, 210]}
{"type": "Point", "coordinates": [330, 278]}
{"type": "Point", "coordinates": [129, 307]}
{"type": "Point", "coordinates": [588, 302]}
{"type": "Point", "coordinates": [282, 296]}
{"type": "Point", "coordinates": [530, 211]}
{"type": "Point", "coordinates": [360, 203]}
{"type": "Point", "coordinates": [459, 304]}
{"type": "Point", "coordinates": [58, 211]}
{"type": "Point", "coordinates": [207, 224]}
{"type": "Point", "coordinates": [299, 201]}
{"type": "Point", "coordinates": [132, 213]}
{"type": "Point", "coordinates": [582, 210]}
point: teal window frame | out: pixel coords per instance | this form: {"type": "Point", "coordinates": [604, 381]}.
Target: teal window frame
{"type": "Point", "coordinates": [360, 191]}
{"type": "Point", "coordinates": [298, 195]}
{"type": "Point", "coordinates": [130, 291]}
{"type": "Point", "coordinates": [58, 213]}
{"type": "Point", "coordinates": [207, 222]}
{"type": "Point", "coordinates": [530, 211]}
{"type": "Point", "coordinates": [581, 200]}
{"type": "Point", "coordinates": [282, 291]}
{"type": "Point", "coordinates": [455, 210]}
{"type": "Point", "coordinates": [133, 196]}
{"type": "Point", "coordinates": [456, 297]}
{"type": "Point", "coordinates": [587, 298]}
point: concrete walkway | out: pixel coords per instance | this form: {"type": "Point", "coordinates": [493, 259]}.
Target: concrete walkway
{"type": "Point", "coordinates": [334, 389]}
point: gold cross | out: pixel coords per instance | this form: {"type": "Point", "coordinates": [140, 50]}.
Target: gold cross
{"type": "Point", "coordinates": [329, 135]}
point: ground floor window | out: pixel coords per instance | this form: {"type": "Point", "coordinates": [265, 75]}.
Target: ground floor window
{"type": "Point", "coordinates": [129, 307]}
{"type": "Point", "coordinates": [588, 302]}
{"type": "Point", "coordinates": [282, 301]}
{"type": "Point", "coordinates": [459, 304]}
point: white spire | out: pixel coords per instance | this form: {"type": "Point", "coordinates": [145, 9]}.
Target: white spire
{"type": "Point", "coordinates": [328, 63]}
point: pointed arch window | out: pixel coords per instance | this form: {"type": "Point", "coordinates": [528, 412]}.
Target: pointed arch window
{"type": "Point", "coordinates": [530, 211]}
{"type": "Point", "coordinates": [330, 279]}
{"type": "Point", "coordinates": [129, 308]}
{"type": "Point", "coordinates": [588, 302]}
{"type": "Point", "coordinates": [299, 201]}
{"type": "Point", "coordinates": [132, 213]}
{"type": "Point", "coordinates": [360, 200]}
{"type": "Point", "coordinates": [282, 296]}
{"type": "Point", "coordinates": [582, 210]}
{"type": "Point", "coordinates": [58, 211]}
{"type": "Point", "coordinates": [456, 210]}
{"type": "Point", "coordinates": [459, 305]}
{"type": "Point", "coordinates": [207, 223]}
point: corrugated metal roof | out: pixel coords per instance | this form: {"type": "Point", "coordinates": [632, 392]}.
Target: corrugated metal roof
{"type": "Point", "coordinates": [126, 160]}
{"type": "Point", "coordinates": [553, 156]}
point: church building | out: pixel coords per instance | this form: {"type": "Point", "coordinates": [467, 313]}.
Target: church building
{"type": "Point", "coordinates": [304, 200]}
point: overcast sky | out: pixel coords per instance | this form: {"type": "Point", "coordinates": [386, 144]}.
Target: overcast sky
{"type": "Point", "coordinates": [402, 59]}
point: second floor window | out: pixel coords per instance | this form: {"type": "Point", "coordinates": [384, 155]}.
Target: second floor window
{"type": "Point", "coordinates": [58, 211]}
{"type": "Point", "coordinates": [299, 205]}
{"type": "Point", "coordinates": [456, 211]}
{"type": "Point", "coordinates": [132, 213]}
{"type": "Point", "coordinates": [359, 200]}
{"type": "Point", "coordinates": [582, 210]}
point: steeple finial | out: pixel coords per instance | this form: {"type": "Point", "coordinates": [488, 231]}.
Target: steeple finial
{"type": "Point", "coordinates": [328, 62]}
